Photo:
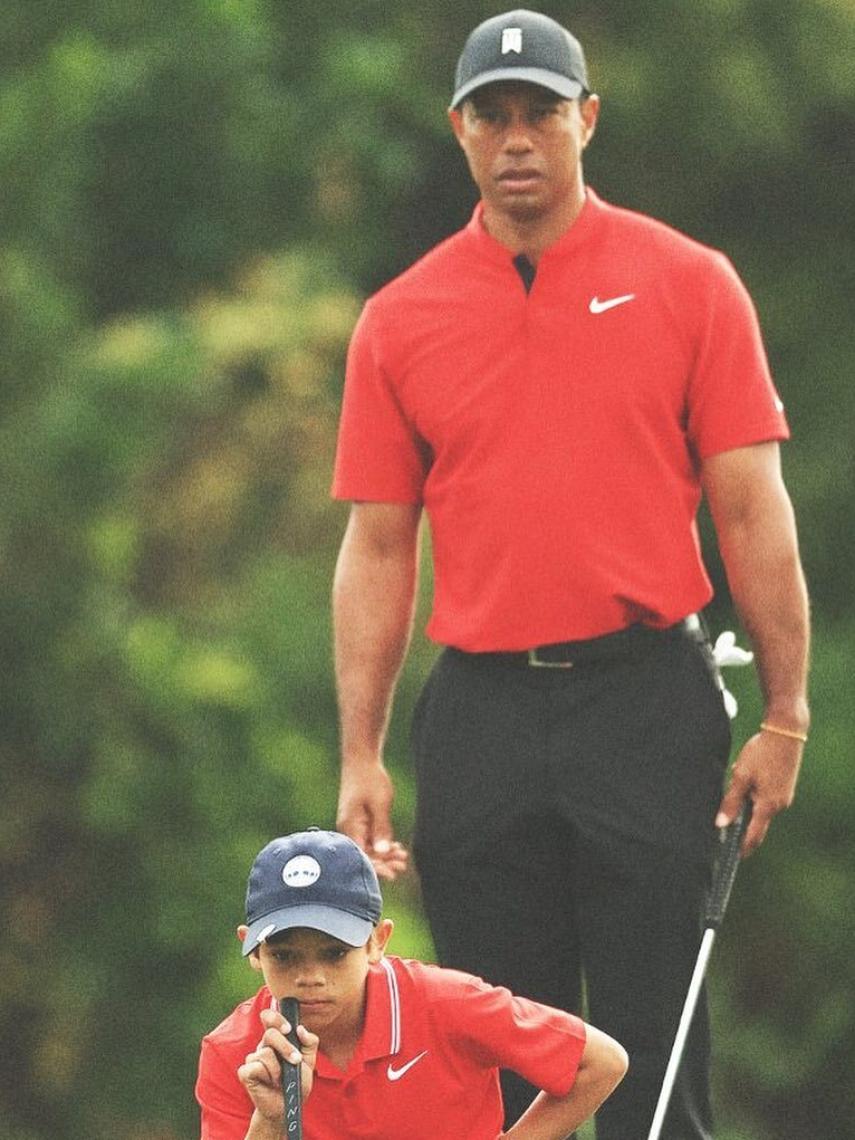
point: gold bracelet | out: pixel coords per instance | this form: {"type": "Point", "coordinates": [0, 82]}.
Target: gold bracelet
{"type": "Point", "coordinates": [791, 732]}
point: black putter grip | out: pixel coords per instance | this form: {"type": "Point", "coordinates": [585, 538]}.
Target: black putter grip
{"type": "Point", "coordinates": [291, 1086]}
{"type": "Point", "coordinates": [726, 866]}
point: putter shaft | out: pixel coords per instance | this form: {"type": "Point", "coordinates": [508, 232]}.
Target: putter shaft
{"type": "Point", "coordinates": [724, 875]}
{"type": "Point", "coordinates": [682, 1033]}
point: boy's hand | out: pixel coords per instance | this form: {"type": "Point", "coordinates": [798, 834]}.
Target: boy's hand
{"type": "Point", "coordinates": [261, 1072]}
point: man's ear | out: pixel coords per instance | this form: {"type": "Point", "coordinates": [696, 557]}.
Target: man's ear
{"type": "Point", "coordinates": [455, 117]}
{"type": "Point", "coordinates": [380, 936]}
{"type": "Point", "coordinates": [590, 112]}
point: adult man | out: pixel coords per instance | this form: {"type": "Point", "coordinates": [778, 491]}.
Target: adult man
{"type": "Point", "coordinates": [556, 385]}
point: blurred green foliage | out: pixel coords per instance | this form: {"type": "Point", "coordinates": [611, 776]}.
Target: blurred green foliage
{"type": "Point", "coordinates": [196, 196]}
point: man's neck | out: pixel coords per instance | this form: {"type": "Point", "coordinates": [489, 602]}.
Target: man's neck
{"type": "Point", "coordinates": [531, 236]}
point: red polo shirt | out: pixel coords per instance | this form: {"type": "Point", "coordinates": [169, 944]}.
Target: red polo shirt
{"type": "Point", "coordinates": [426, 1066]}
{"type": "Point", "coordinates": [554, 437]}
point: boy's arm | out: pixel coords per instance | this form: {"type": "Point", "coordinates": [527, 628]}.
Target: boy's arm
{"type": "Point", "coordinates": [261, 1074]}
{"type": "Point", "coordinates": [261, 1128]}
{"type": "Point", "coordinates": [600, 1071]}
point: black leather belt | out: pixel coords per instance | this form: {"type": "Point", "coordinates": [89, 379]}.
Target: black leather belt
{"type": "Point", "coordinates": [633, 641]}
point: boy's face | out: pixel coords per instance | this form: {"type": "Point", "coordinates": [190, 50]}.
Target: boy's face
{"type": "Point", "coordinates": [325, 975]}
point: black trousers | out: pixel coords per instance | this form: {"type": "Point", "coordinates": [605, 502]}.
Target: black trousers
{"type": "Point", "coordinates": [564, 840]}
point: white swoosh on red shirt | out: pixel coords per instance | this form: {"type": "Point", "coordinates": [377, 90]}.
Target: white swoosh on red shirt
{"type": "Point", "coordinates": [396, 1074]}
{"type": "Point", "coordinates": [598, 306]}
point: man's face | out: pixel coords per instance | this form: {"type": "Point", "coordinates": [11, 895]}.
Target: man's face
{"type": "Point", "coordinates": [524, 146]}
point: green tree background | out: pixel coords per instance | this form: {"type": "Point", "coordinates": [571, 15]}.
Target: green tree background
{"type": "Point", "coordinates": [196, 196]}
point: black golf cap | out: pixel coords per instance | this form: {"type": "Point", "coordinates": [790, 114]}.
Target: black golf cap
{"type": "Point", "coordinates": [523, 46]}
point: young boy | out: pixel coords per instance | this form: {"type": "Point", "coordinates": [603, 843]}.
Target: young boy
{"type": "Point", "coordinates": [391, 1049]}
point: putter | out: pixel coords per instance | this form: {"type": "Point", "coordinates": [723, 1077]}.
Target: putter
{"type": "Point", "coordinates": [726, 865]}
{"type": "Point", "coordinates": [289, 1007]}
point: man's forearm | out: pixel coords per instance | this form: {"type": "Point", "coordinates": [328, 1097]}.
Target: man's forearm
{"type": "Point", "coordinates": [373, 603]}
{"type": "Point", "coordinates": [757, 537]}
{"type": "Point", "coordinates": [768, 589]}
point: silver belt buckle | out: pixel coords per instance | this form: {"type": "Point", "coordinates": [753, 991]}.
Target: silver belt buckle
{"type": "Point", "coordinates": [536, 663]}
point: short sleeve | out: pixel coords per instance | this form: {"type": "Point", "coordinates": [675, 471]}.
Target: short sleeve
{"type": "Point", "coordinates": [379, 457]}
{"type": "Point", "coordinates": [542, 1044]}
{"type": "Point", "coordinates": [226, 1107]}
{"type": "Point", "coordinates": [732, 398]}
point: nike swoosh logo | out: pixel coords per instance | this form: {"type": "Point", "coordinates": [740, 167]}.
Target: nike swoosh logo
{"type": "Point", "coordinates": [396, 1074]}
{"type": "Point", "coordinates": [598, 306]}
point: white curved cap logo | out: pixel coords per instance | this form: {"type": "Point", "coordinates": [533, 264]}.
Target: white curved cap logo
{"type": "Point", "coordinates": [301, 871]}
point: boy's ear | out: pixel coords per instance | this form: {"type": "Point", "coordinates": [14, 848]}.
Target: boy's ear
{"type": "Point", "coordinates": [380, 936]}
{"type": "Point", "coordinates": [252, 957]}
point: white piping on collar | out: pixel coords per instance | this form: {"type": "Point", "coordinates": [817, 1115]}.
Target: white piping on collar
{"type": "Point", "coordinates": [394, 1005]}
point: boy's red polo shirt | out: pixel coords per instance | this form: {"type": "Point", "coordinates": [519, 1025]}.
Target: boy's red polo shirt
{"type": "Point", "coordinates": [554, 437]}
{"type": "Point", "coordinates": [426, 1067]}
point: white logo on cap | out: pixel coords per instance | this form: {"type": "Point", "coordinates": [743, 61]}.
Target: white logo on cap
{"type": "Point", "coordinates": [301, 871]}
{"type": "Point", "coordinates": [511, 40]}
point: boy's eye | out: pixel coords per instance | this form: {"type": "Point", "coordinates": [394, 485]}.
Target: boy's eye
{"type": "Point", "coordinates": [335, 954]}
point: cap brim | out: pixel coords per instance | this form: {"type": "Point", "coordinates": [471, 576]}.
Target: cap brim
{"type": "Point", "coordinates": [566, 88]}
{"type": "Point", "coordinates": [349, 928]}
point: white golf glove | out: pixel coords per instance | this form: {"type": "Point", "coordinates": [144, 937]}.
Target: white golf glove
{"type": "Point", "coordinates": [727, 652]}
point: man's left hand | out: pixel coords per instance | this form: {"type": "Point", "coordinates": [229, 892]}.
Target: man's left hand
{"type": "Point", "coordinates": [766, 772]}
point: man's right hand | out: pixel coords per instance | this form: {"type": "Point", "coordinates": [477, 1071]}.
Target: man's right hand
{"type": "Point", "coordinates": [364, 813]}
{"type": "Point", "coordinates": [374, 595]}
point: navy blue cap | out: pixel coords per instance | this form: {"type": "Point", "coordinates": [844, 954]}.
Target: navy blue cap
{"type": "Point", "coordinates": [318, 879]}
{"type": "Point", "coordinates": [524, 46]}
